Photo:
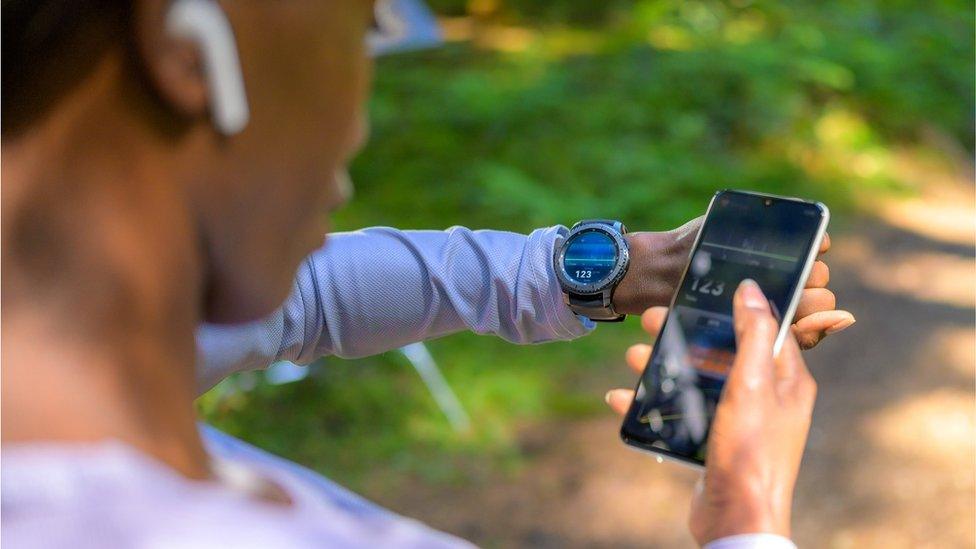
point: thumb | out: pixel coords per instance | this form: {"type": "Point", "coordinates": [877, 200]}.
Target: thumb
{"type": "Point", "coordinates": [755, 335]}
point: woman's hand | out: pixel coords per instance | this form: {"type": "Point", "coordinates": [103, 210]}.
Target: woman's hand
{"type": "Point", "coordinates": [657, 261]}
{"type": "Point", "coordinates": [759, 430]}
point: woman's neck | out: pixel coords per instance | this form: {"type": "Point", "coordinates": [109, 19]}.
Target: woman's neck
{"type": "Point", "coordinates": [101, 292]}
{"type": "Point", "coordinates": [63, 389]}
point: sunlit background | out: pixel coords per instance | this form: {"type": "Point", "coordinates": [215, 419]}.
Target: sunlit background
{"type": "Point", "coordinates": [540, 113]}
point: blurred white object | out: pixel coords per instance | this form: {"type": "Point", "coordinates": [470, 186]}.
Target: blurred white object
{"type": "Point", "coordinates": [204, 23]}
{"type": "Point", "coordinates": [423, 362]}
{"type": "Point", "coordinates": [402, 25]}
{"type": "Point", "coordinates": [283, 371]}
{"type": "Point", "coordinates": [417, 355]}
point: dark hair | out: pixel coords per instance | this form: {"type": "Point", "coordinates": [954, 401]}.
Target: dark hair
{"type": "Point", "coordinates": [48, 46]}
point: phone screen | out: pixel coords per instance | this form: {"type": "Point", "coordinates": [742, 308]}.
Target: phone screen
{"type": "Point", "coordinates": [745, 235]}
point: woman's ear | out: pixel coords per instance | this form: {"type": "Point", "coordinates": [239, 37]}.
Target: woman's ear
{"type": "Point", "coordinates": [190, 54]}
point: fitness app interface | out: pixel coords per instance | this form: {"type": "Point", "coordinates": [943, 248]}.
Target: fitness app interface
{"type": "Point", "coordinates": [745, 236]}
{"type": "Point", "coordinates": [590, 256]}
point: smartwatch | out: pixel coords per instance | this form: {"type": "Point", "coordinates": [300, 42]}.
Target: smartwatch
{"type": "Point", "coordinates": [589, 263]}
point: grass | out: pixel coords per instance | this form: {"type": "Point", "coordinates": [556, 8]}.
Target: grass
{"type": "Point", "coordinates": [640, 121]}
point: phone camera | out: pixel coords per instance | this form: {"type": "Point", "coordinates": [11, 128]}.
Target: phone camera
{"type": "Point", "coordinates": [767, 202]}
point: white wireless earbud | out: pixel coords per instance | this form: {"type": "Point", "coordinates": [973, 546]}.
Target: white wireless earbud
{"type": "Point", "coordinates": [203, 22]}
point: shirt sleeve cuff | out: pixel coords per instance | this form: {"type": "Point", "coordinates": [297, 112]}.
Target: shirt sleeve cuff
{"type": "Point", "coordinates": [751, 541]}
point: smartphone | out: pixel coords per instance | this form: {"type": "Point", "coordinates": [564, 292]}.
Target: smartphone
{"type": "Point", "coordinates": [773, 240]}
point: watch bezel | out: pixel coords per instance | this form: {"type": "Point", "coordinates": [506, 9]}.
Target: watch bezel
{"type": "Point", "coordinates": [616, 273]}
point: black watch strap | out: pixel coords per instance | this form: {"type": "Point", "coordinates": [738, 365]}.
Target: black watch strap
{"type": "Point", "coordinates": [598, 308]}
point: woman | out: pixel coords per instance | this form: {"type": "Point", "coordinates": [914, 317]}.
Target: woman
{"type": "Point", "coordinates": [161, 171]}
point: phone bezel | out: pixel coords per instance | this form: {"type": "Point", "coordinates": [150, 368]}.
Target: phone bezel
{"type": "Point", "coordinates": [647, 447]}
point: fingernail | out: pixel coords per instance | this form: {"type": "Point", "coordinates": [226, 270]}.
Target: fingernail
{"type": "Point", "coordinates": [606, 397]}
{"type": "Point", "coordinates": [841, 326]}
{"type": "Point", "coordinates": [752, 296]}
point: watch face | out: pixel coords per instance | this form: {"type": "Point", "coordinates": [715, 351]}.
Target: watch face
{"type": "Point", "coordinates": [590, 257]}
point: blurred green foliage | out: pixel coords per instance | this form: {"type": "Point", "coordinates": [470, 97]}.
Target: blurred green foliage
{"type": "Point", "coordinates": [633, 110]}
{"type": "Point", "coordinates": [643, 116]}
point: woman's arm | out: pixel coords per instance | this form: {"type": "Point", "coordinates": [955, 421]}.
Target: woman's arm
{"type": "Point", "coordinates": [378, 289]}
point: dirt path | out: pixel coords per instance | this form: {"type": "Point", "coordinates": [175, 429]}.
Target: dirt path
{"type": "Point", "coordinates": [890, 462]}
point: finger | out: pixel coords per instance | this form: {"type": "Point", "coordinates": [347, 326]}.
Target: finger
{"type": "Point", "coordinates": [810, 329]}
{"type": "Point", "coordinates": [653, 319]}
{"type": "Point", "coordinates": [815, 300]}
{"type": "Point", "coordinates": [825, 244]}
{"type": "Point", "coordinates": [637, 357]}
{"type": "Point", "coordinates": [819, 275]}
{"type": "Point", "coordinates": [755, 334]}
{"type": "Point", "coordinates": [619, 400]}
{"type": "Point", "coordinates": [807, 339]}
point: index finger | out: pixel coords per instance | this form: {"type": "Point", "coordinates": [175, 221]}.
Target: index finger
{"type": "Point", "coordinates": [652, 320]}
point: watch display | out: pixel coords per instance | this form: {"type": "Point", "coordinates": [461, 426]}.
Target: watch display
{"type": "Point", "coordinates": [590, 257]}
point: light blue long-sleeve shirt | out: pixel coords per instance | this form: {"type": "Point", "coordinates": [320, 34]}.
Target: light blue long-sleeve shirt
{"type": "Point", "coordinates": [378, 289]}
